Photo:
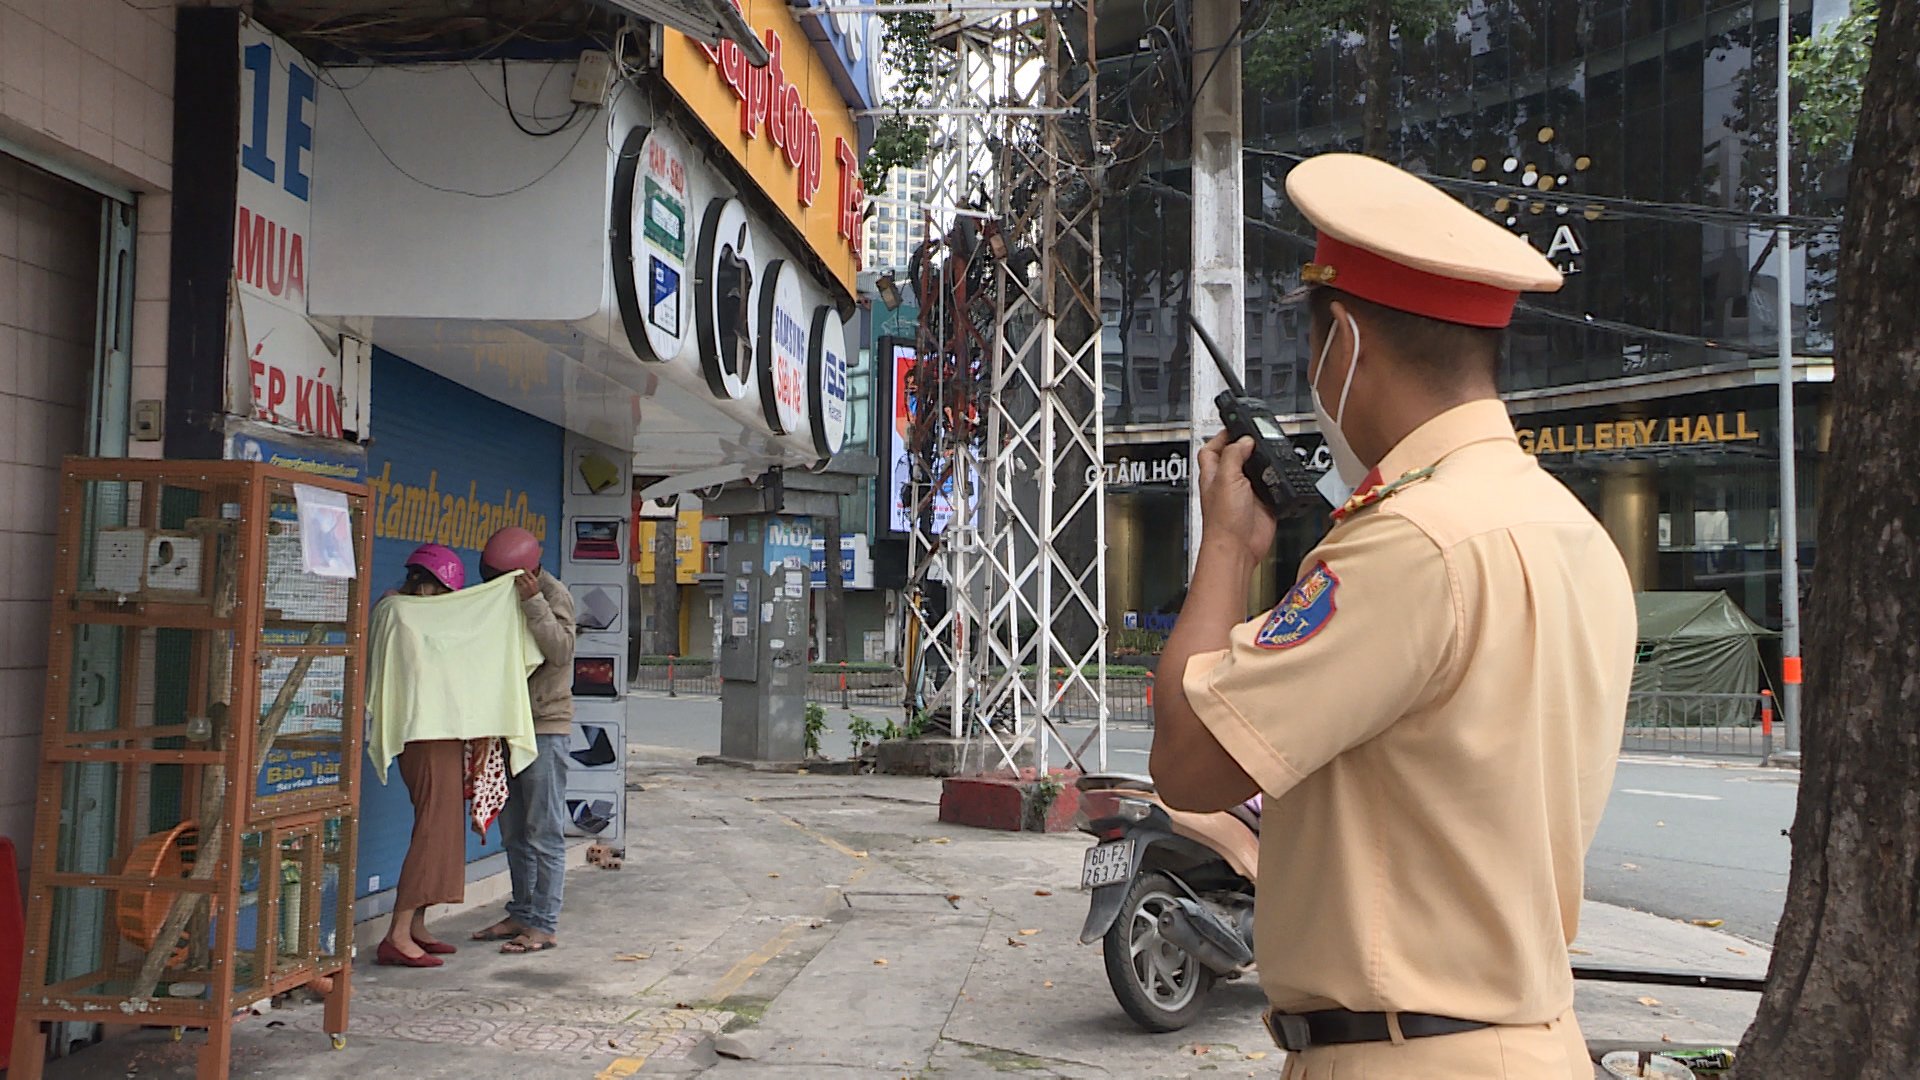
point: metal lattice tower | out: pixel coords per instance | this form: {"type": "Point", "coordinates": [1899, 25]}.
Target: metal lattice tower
{"type": "Point", "coordinates": [1008, 598]}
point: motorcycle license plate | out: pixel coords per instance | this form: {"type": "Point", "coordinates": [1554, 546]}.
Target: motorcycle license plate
{"type": "Point", "coordinates": [1107, 864]}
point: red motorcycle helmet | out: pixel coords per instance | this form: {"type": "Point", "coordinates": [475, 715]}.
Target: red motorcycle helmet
{"type": "Point", "coordinates": [510, 549]}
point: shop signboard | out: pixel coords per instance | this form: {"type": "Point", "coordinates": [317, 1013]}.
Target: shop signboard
{"type": "Point", "coordinates": [786, 123]}
{"type": "Point", "coordinates": [850, 43]}
{"type": "Point", "coordinates": [726, 294]}
{"type": "Point", "coordinates": [653, 236]}
{"type": "Point", "coordinates": [1166, 465]}
{"type": "Point", "coordinates": [827, 380]}
{"type": "Point", "coordinates": [856, 565]}
{"type": "Point", "coordinates": [290, 375]}
{"type": "Point", "coordinates": [1639, 435]}
{"type": "Point", "coordinates": [783, 347]}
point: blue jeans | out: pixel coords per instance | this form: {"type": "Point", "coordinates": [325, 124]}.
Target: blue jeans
{"type": "Point", "coordinates": [533, 826]}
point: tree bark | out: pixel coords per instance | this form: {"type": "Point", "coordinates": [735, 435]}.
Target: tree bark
{"type": "Point", "coordinates": [1843, 995]}
{"type": "Point", "coordinates": [1376, 79]}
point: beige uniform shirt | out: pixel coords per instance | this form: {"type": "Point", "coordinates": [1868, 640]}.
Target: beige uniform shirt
{"type": "Point", "coordinates": [1434, 714]}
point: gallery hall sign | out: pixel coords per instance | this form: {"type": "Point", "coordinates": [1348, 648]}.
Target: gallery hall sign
{"type": "Point", "coordinates": [1656, 434]}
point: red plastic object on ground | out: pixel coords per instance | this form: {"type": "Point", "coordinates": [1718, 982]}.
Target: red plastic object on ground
{"type": "Point", "coordinates": [13, 943]}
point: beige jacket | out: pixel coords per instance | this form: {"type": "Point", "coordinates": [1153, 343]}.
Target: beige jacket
{"type": "Point", "coordinates": [550, 618]}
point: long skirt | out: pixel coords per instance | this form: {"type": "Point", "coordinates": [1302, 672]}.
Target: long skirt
{"type": "Point", "coordinates": [435, 870]}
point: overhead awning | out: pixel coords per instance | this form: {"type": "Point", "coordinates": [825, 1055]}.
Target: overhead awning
{"type": "Point", "coordinates": [709, 21]}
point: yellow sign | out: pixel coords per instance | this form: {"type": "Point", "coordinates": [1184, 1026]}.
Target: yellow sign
{"type": "Point", "coordinates": [1638, 434]}
{"type": "Point", "coordinates": [644, 555]}
{"type": "Point", "coordinates": [688, 551]}
{"type": "Point", "coordinates": [786, 123]}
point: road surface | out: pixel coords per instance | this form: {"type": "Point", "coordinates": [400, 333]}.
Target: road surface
{"type": "Point", "coordinates": [1684, 839]}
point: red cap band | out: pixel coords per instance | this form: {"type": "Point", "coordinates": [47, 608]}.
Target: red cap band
{"type": "Point", "coordinates": [1372, 277]}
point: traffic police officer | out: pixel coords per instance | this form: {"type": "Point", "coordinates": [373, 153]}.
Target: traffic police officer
{"type": "Point", "coordinates": [1435, 709]}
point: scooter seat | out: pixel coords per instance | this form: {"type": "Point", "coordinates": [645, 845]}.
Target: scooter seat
{"type": "Point", "coordinates": [1114, 782]}
{"type": "Point", "coordinates": [1247, 817]}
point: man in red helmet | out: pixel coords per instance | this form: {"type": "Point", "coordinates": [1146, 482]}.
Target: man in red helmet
{"type": "Point", "coordinates": [533, 823]}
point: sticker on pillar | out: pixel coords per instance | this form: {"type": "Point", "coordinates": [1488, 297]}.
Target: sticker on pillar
{"type": "Point", "coordinates": [592, 746]}
{"type": "Point", "coordinates": [599, 608]}
{"type": "Point", "coordinates": [596, 540]}
{"type": "Point", "coordinates": [597, 471]}
{"type": "Point", "coordinates": [725, 298]}
{"type": "Point", "coordinates": [783, 348]}
{"type": "Point", "coordinates": [650, 237]}
{"type": "Point", "coordinates": [827, 380]}
{"type": "Point", "coordinates": [593, 676]}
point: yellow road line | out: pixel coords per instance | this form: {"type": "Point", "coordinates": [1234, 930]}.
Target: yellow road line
{"type": "Point", "coordinates": [825, 839]}
{"type": "Point", "coordinates": [621, 1067]}
{"type": "Point", "coordinates": [737, 976]}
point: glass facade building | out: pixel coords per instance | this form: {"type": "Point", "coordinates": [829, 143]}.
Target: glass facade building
{"type": "Point", "coordinates": [1632, 141]}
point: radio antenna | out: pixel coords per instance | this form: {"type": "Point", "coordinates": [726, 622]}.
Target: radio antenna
{"type": "Point", "coordinates": [1219, 359]}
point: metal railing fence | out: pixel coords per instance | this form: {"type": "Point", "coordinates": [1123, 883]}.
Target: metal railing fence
{"type": "Point", "coordinates": [1711, 725]}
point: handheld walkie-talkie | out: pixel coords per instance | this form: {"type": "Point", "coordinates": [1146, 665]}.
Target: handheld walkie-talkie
{"type": "Point", "coordinates": [1274, 470]}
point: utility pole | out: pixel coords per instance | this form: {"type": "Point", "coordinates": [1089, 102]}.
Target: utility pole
{"type": "Point", "coordinates": [1789, 496]}
{"type": "Point", "coordinates": [1218, 293]}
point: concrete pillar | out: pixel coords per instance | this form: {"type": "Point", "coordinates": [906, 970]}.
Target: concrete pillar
{"type": "Point", "coordinates": [1219, 229]}
{"type": "Point", "coordinates": [1630, 510]}
{"type": "Point", "coordinates": [1126, 528]}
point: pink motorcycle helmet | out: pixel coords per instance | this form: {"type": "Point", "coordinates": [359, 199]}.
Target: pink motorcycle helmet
{"type": "Point", "coordinates": [510, 549]}
{"type": "Point", "coordinates": [440, 561]}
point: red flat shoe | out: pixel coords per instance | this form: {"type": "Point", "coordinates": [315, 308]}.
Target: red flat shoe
{"type": "Point", "coordinates": [389, 954]}
{"type": "Point", "coordinates": [436, 948]}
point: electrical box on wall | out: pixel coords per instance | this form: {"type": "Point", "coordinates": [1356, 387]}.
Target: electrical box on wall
{"type": "Point", "coordinates": [593, 78]}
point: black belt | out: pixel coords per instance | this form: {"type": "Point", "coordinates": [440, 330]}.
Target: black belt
{"type": "Point", "coordinates": [1294, 1032]}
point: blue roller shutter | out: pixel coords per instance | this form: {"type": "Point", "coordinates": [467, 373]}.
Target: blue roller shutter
{"type": "Point", "coordinates": [447, 465]}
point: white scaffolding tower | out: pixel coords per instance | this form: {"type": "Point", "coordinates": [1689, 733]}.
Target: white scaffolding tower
{"type": "Point", "coordinates": [1007, 572]}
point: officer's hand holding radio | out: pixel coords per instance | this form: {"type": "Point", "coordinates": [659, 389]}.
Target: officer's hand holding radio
{"type": "Point", "coordinates": [1232, 517]}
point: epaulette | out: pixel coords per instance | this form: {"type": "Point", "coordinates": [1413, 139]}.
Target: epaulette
{"type": "Point", "coordinates": [1369, 494]}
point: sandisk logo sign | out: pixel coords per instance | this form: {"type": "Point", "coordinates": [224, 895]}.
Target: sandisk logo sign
{"type": "Point", "coordinates": [768, 101]}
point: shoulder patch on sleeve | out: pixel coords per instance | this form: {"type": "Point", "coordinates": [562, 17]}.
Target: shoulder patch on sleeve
{"type": "Point", "coordinates": [1302, 613]}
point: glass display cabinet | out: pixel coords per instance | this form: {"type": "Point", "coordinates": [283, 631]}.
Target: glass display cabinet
{"type": "Point", "coordinates": [198, 779]}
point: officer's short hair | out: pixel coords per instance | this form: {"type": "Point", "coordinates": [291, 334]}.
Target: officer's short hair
{"type": "Point", "coordinates": [1440, 353]}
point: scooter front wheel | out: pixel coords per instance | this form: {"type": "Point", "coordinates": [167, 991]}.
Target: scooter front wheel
{"type": "Point", "coordinates": [1162, 987]}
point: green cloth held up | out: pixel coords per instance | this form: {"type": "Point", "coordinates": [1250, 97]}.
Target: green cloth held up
{"type": "Point", "coordinates": [451, 667]}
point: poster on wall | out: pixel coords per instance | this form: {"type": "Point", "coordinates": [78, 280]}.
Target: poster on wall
{"type": "Point", "coordinates": [600, 609]}
{"type": "Point", "coordinates": [306, 751]}
{"type": "Point", "coordinates": [595, 540]}
{"type": "Point", "coordinates": [594, 747]}
{"type": "Point", "coordinates": [287, 373]}
{"type": "Point", "coordinates": [906, 403]}
{"type": "Point", "coordinates": [596, 471]}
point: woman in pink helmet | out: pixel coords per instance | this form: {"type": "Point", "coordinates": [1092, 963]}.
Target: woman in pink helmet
{"type": "Point", "coordinates": [434, 871]}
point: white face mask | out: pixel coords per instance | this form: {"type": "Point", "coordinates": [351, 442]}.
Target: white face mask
{"type": "Point", "coordinates": [1348, 470]}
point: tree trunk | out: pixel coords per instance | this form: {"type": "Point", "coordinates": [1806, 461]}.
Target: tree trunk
{"type": "Point", "coordinates": [1843, 995]}
{"type": "Point", "coordinates": [1376, 79]}
{"type": "Point", "coordinates": [658, 632]}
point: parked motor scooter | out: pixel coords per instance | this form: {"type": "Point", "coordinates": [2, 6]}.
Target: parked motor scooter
{"type": "Point", "coordinates": [1172, 896]}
